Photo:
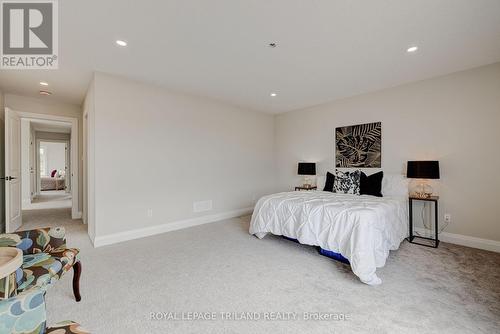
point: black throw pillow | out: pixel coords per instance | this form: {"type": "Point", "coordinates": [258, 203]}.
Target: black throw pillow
{"type": "Point", "coordinates": [371, 185]}
{"type": "Point", "coordinates": [330, 179]}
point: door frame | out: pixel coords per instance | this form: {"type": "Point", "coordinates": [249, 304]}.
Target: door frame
{"type": "Point", "coordinates": [75, 184]}
{"type": "Point", "coordinates": [37, 163]}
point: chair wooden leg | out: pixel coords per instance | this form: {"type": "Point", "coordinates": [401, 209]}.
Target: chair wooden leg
{"type": "Point", "coordinates": [77, 270]}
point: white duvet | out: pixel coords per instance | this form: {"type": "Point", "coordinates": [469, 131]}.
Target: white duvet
{"type": "Point", "coordinates": [362, 228]}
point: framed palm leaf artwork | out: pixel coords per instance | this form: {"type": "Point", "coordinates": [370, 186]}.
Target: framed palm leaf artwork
{"type": "Point", "coordinates": [359, 146]}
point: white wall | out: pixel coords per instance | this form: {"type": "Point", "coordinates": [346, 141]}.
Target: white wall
{"type": "Point", "coordinates": [51, 107]}
{"type": "Point", "coordinates": [52, 135]}
{"type": "Point", "coordinates": [56, 155]}
{"type": "Point", "coordinates": [454, 119]}
{"type": "Point", "coordinates": [155, 149]}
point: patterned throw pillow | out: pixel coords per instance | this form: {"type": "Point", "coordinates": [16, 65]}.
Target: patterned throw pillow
{"type": "Point", "coordinates": [347, 182]}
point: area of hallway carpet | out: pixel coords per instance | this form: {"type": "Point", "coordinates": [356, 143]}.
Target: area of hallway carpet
{"type": "Point", "coordinates": [50, 200]}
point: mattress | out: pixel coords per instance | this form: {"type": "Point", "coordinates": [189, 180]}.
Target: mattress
{"type": "Point", "coordinates": [361, 228]}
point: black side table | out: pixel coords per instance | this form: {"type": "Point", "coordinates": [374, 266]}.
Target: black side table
{"type": "Point", "coordinates": [429, 242]}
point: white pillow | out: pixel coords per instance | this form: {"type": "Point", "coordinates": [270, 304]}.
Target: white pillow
{"type": "Point", "coordinates": [395, 185]}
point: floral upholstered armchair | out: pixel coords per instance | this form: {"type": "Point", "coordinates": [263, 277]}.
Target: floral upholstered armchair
{"type": "Point", "coordinates": [45, 258]}
{"type": "Point", "coordinates": [25, 313]}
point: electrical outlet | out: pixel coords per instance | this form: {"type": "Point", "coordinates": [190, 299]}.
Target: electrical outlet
{"type": "Point", "coordinates": [150, 213]}
{"type": "Point", "coordinates": [447, 218]}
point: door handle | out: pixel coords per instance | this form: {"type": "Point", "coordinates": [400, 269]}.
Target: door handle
{"type": "Point", "coordinates": [8, 178]}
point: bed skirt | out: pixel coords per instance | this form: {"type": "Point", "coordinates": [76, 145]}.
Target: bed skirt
{"type": "Point", "coordinates": [325, 252]}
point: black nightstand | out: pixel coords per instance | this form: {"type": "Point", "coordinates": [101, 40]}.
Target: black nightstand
{"type": "Point", "coordinates": [299, 188]}
{"type": "Point", "coordinates": [429, 242]}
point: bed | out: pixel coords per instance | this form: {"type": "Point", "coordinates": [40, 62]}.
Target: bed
{"type": "Point", "coordinates": [52, 183]}
{"type": "Point", "coordinates": [363, 229]}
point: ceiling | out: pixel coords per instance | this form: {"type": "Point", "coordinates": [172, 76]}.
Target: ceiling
{"type": "Point", "coordinates": [327, 49]}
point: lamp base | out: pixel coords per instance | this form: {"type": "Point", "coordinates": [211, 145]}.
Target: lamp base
{"type": "Point", "coordinates": [421, 195]}
{"type": "Point", "coordinates": [424, 190]}
{"type": "Point", "coordinates": [307, 182]}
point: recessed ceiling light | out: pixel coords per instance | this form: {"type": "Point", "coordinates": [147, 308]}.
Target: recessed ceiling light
{"type": "Point", "coordinates": [412, 49]}
{"type": "Point", "coordinates": [273, 94]}
{"type": "Point", "coordinates": [121, 43]}
{"type": "Point", "coordinates": [43, 83]}
{"type": "Point", "coordinates": [45, 93]}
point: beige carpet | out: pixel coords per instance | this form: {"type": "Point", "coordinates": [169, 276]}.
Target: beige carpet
{"type": "Point", "coordinates": [220, 268]}
{"type": "Point", "coordinates": [50, 199]}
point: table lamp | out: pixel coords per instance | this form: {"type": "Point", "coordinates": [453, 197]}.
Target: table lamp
{"type": "Point", "coordinates": [423, 170]}
{"type": "Point", "coordinates": [306, 169]}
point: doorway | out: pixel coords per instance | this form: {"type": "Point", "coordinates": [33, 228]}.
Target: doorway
{"type": "Point", "coordinates": [44, 176]}
{"type": "Point", "coordinates": [41, 164]}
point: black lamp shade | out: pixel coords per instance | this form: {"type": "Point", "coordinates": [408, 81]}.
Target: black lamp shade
{"type": "Point", "coordinates": [307, 168]}
{"type": "Point", "coordinates": [423, 170]}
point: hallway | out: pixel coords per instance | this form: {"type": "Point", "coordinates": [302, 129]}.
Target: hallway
{"type": "Point", "coordinates": [51, 199]}
{"type": "Point", "coordinates": [50, 209]}
{"type": "Point", "coordinates": [33, 219]}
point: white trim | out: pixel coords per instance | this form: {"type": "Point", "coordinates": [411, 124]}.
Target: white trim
{"type": "Point", "coordinates": [88, 158]}
{"type": "Point", "coordinates": [78, 215]}
{"type": "Point", "coordinates": [168, 227]}
{"type": "Point", "coordinates": [465, 240]}
{"type": "Point", "coordinates": [85, 167]}
{"type": "Point", "coordinates": [74, 152]}
{"type": "Point", "coordinates": [38, 163]}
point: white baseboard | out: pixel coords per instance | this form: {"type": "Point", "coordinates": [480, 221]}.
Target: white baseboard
{"type": "Point", "coordinates": [458, 239]}
{"type": "Point", "coordinates": [77, 215]}
{"type": "Point", "coordinates": [168, 227]}
{"type": "Point", "coordinates": [464, 240]}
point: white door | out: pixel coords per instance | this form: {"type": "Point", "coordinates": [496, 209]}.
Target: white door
{"type": "Point", "coordinates": [13, 217]}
